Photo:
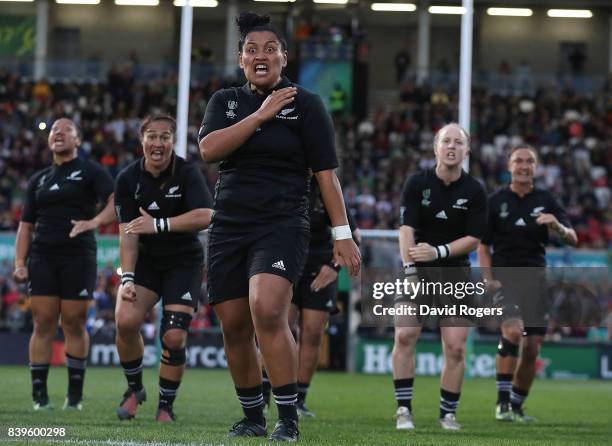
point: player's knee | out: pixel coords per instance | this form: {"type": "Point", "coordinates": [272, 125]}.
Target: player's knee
{"type": "Point", "coordinates": [175, 339]}
{"type": "Point", "coordinates": [507, 348]}
{"type": "Point", "coordinates": [45, 325]}
{"type": "Point", "coordinates": [405, 339]}
{"type": "Point", "coordinates": [127, 325]}
{"type": "Point", "coordinates": [73, 326]}
{"type": "Point", "coordinates": [455, 352]}
{"type": "Point", "coordinates": [311, 337]}
{"type": "Point", "coordinates": [268, 317]}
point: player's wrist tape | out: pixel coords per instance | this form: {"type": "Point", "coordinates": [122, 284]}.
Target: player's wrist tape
{"type": "Point", "coordinates": [410, 269]}
{"type": "Point", "coordinates": [442, 251]}
{"type": "Point", "coordinates": [341, 232]}
{"type": "Point", "coordinates": [161, 225]}
{"type": "Point", "coordinates": [127, 277]}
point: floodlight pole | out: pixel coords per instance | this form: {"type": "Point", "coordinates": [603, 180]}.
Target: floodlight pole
{"type": "Point", "coordinates": [465, 70]}
{"type": "Point", "coordinates": [182, 108]}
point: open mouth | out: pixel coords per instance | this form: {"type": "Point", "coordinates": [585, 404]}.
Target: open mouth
{"type": "Point", "coordinates": [157, 155]}
{"type": "Point", "coordinates": [261, 68]}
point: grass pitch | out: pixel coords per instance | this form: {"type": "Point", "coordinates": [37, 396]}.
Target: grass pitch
{"type": "Point", "coordinates": [351, 410]}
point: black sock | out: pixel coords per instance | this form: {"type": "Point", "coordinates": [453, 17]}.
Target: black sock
{"type": "Point", "coordinates": [504, 385]}
{"type": "Point", "coordinates": [267, 387]}
{"type": "Point", "coordinates": [302, 391]}
{"type": "Point", "coordinates": [39, 373]}
{"type": "Point", "coordinates": [167, 392]}
{"type": "Point", "coordinates": [403, 392]}
{"type": "Point", "coordinates": [286, 398]}
{"type": "Point", "coordinates": [448, 402]}
{"type": "Point", "coordinates": [133, 373]}
{"type": "Point", "coordinates": [517, 397]}
{"type": "Point", "coordinates": [251, 400]}
{"type": "Point", "coordinates": [76, 376]}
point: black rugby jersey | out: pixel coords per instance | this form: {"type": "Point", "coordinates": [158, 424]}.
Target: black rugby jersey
{"type": "Point", "coordinates": [512, 231]}
{"type": "Point", "coordinates": [265, 181]}
{"type": "Point", "coordinates": [441, 214]}
{"type": "Point", "coordinates": [178, 189]}
{"type": "Point", "coordinates": [58, 194]}
{"type": "Point", "coordinates": [321, 248]}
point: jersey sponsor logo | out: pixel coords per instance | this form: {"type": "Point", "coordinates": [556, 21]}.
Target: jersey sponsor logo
{"type": "Point", "coordinates": [460, 204]}
{"type": "Point", "coordinates": [537, 211]}
{"type": "Point", "coordinates": [284, 114]}
{"type": "Point", "coordinates": [118, 211]}
{"type": "Point", "coordinates": [520, 222]}
{"type": "Point", "coordinates": [75, 176]}
{"type": "Point", "coordinates": [231, 106]}
{"type": "Point", "coordinates": [84, 293]}
{"type": "Point", "coordinates": [187, 296]}
{"type": "Point", "coordinates": [41, 181]}
{"type": "Point", "coordinates": [54, 187]}
{"type": "Point", "coordinates": [137, 192]}
{"type": "Point", "coordinates": [279, 265]}
{"type": "Point", "coordinates": [172, 192]}
{"type": "Point", "coordinates": [402, 211]}
{"type": "Point", "coordinates": [426, 194]}
{"type": "Point", "coordinates": [442, 215]}
{"type": "Point", "coordinates": [503, 210]}
{"type": "Point", "coordinates": [153, 207]}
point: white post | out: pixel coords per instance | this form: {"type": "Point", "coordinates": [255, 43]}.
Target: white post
{"type": "Point", "coordinates": [423, 60]}
{"type": "Point", "coordinates": [182, 108]}
{"type": "Point", "coordinates": [40, 52]}
{"type": "Point", "coordinates": [465, 70]}
{"type": "Point", "coordinates": [231, 39]}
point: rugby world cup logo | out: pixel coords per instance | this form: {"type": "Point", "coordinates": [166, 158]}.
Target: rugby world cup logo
{"type": "Point", "coordinates": [231, 106]}
{"type": "Point", "coordinates": [503, 210]}
{"type": "Point", "coordinates": [426, 194]}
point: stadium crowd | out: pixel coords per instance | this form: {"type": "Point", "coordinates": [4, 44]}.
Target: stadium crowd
{"type": "Point", "coordinates": [572, 132]}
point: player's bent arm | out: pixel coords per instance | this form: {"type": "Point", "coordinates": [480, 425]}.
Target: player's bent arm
{"type": "Point", "coordinates": [194, 220]}
{"type": "Point", "coordinates": [22, 243]}
{"type": "Point", "coordinates": [218, 145]}
{"type": "Point", "coordinates": [463, 246]}
{"type": "Point", "coordinates": [406, 241]}
{"type": "Point", "coordinates": [128, 249]}
{"type": "Point", "coordinates": [107, 214]}
{"type": "Point", "coordinates": [331, 192]}
{"type": "Point", "coordinates": [345, 249]}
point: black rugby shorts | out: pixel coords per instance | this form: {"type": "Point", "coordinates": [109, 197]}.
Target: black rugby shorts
{"type": "Point", "coordinates": [72, 278]}
{"type": "Point", "coordinates": [234, 258]}
{"type": "Point", "coordinates": [322, 300]}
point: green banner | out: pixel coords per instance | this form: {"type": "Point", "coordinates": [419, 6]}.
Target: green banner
{"type": "Point", "coordinates": [17, 35]}
{"type": "Point", "coordinates": [108, 249]}
{"type": "Point", "coordinates": [558, 361]}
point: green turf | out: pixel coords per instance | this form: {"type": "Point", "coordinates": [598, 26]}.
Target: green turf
{"type": "Point", "coordinates": [351, 410]}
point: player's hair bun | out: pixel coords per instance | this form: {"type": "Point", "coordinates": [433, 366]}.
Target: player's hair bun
{"type": "Point", "coordinates": [247, 21]}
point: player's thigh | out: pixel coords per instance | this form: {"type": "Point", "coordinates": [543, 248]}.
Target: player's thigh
{"type": "Point", "coordinates": [227, 268]}
{"type": "Point", "coordinates": [131, 314]}
{"type": "Point", "coordinates": [74, 312]}
{"type": "Point", "coordinates": [45, 312]}
{"type": "Point", "coordinates": [313, 322]}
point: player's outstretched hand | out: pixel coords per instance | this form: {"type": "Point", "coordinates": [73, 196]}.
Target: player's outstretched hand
{"type": "Point", "coordinates": [275, 102]}
{"type": "Point", "coordinates": [20, 274]}
{"type": "Point", "coordinates": [80, 226]}
{"type": "Point", "coordinates": [549, 220]}
{"type": "Point", "coordinates": [326, 276]}
{"type": "Point", "coordinates": [141, 225]}
{"type": "Point", "coordinates": [346, 253]}
{"type": "Point", "coordinates": [423, 252]}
